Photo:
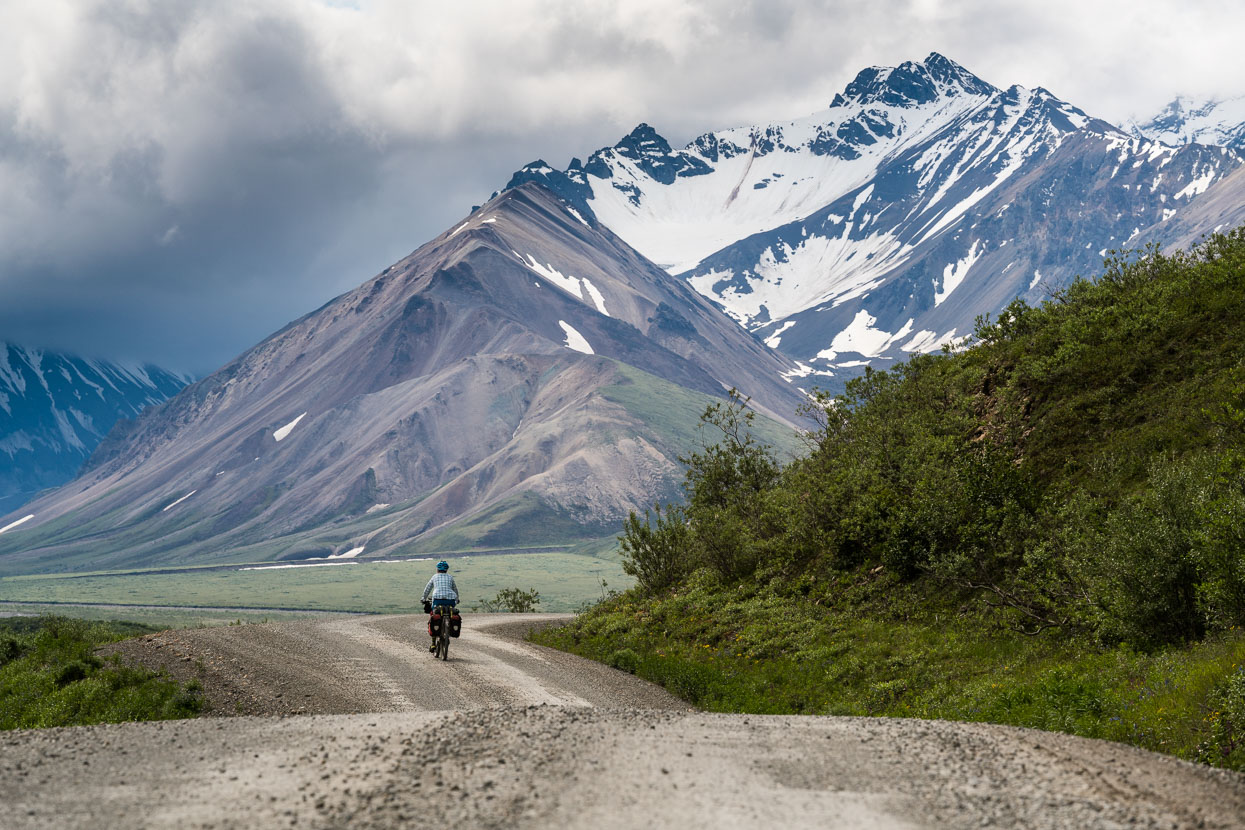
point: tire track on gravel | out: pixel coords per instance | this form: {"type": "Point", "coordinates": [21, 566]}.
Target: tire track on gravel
{"type": "Point", "coordinates": [453, 747]}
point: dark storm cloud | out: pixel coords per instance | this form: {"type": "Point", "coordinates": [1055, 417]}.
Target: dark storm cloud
{"type": "Point", "coordinates": [182, 178]}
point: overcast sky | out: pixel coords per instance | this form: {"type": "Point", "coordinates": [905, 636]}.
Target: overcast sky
{"type": "Point", "coordinates": [180, 178]}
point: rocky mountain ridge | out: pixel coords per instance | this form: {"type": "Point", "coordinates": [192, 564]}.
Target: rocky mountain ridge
{"type": "Point", "coordinates": [922, 198]}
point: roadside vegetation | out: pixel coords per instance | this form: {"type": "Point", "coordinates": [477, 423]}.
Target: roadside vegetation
{"type": "Point", "coordinates": [1044, 529]}
{"type": "Point", "coordinates": [51, 676]}
{"type": "Point", "coordinates": [510, 601]}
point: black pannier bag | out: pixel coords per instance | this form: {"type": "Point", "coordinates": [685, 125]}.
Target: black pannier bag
{"type": "Point", "coordinates": [456, 625]}
{"type": "Point", "coordinates": [434, 625]}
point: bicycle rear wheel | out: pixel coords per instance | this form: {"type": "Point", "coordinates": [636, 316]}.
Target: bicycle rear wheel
{"type": "Point", "coordinates": [444, 643]}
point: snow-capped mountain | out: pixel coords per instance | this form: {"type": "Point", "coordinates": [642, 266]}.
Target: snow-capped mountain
{"type": "Point", "coordinates": [1189, 121]}
{"type": "Point", "coordinates": [884, 225]}
{"type": "Point", "coordinates": [56, 408]}
{"type": "Point", "coordinates": [525, 378]}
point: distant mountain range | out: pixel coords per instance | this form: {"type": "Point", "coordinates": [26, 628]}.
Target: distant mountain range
{"type": "Point", "coordinates": [56, 408]}
{"type": "Point", "coordinates": [883, 226]}
{"type": "Point", "coordinates": [1189, 121]}
{"type": "Point", "coordinates": [533, 373]}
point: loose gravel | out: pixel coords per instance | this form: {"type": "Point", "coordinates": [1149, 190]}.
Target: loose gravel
{"type": "Point", "coordinates": [507, 734]}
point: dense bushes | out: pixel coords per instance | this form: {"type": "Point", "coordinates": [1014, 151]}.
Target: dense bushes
{"type": "Point", "coordinates": [864, 643]}
{"type": "Point", "coordinates": [1081, 467]}
{"type": "Point", "coordinates": [1226, 745]}
{"type": "Point", "coordinates": [50, 676]}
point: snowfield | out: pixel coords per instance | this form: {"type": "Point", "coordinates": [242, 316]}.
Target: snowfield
{"type": "Point", "coordinates": [284, 431]}
{"type": "Point", "coordinates": [575, 340]}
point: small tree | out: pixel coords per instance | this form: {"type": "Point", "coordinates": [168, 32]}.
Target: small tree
{"type": "Point", "coordinates": [655, 550]}
{"type": "Point", "coordinates": [724, 483]}
{"type": "Point", "coordinates": [511, 600]}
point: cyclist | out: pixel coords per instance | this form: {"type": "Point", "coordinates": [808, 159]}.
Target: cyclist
{"type": "Point", "coordinates": [440, 592]}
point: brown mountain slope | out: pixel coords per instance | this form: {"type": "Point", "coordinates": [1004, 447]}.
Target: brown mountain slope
{"type": "Point", "coordinates": [525, 378]}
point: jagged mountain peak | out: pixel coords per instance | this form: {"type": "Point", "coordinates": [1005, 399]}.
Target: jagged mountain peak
{"type": "Point", "coordinates": [680, 206]}
{"type": "Point", "coordinates": [643, 141]}
{"type": "Point", "coordinates": [884, 224]}
{"type": "Point", "coordinates": [911, 84]}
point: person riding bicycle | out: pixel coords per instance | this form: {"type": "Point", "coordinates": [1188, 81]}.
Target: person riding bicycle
{"type": "Point", "coordinates": [440, 592]}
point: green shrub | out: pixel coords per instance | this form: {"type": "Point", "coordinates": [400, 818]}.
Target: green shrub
{"type": "Point", "coordinates": [77, 670]}
{"type": "Point", "coordinates": [1226, 745]}
{"type": "Point", "coordinates": [625, 660]}
{"type": "Point", "coordinates": [1149, 575]}
{"type": "Point", "coordinates": [656, 551]}
{"type": "Point", "coordinates": [10, 648]}
{"type": "Point", "coordinates": [512, 601]}
{"type": "Point", "coordinates": [57, 680]}
{"type": "Point", "coordinates": [1169, 564]}
{"type": "Point", "coordinates": [683, 678]}
{"type": "Point", "coordinates": [1059, 701]}
{"type": "Point", "coordinates": [1220, 549]}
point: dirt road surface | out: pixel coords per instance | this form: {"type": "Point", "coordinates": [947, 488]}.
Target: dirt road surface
{"type": "Point", "coordinates": [350, 723]}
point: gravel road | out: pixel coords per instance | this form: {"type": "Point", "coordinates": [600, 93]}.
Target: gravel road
{"type": "Point", "coordinates": [508, 734]}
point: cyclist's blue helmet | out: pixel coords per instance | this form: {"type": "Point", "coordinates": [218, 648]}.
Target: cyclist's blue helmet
{"type": "Point", "coordinates": [443, 566]}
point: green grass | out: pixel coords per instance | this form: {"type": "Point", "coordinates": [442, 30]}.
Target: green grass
{"type": "Point", "coordinates": [565, 582]}
{"type": "Point", "coordinates": [674, 413]}
{"type": "Point", "coordinates": [50, 676]}
{"type": "Point", "coordinates": [869, 645]}
{"type": "Point", "coordinates": [156, 618]}
{"type": "Point", "coordinates": [522, 520]}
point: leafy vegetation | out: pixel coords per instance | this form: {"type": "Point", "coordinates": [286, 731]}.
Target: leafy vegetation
{"type": "Point", "coordinates": [1067, 495]}
{"type": "Point", "coordinates": [877, 645]}
{"type": "Point", "coordinates": [512, 601]}
{"type": "Point", "coordinates": [51, 676]}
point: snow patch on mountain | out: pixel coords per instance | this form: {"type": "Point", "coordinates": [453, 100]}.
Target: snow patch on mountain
{"type": "Point", "coordinates": [179, 501]}
{"type": "Point", "coordinates": [860, 337]}
{"type": "Point", "coordinates": [820, 269]}
{"type": "Point", "coordinates": [575, 340]}
{"type": "Point", "coordinates": [1198, 185]}
{"type": "Point", "coordinates": [928, 341]}
{"type": "Point", "coordinates": [568, 284]}
{"type": "Point", "coordinates": [349, 554]}
{"type": "Point", "coordinates": [955, 272]}
{"type": "Point", "coordinates": [579, 287]}
{"type": "Point", "coordinates": [17, 523]}
{"type": "Point", "coordinates": [775, 339]}
{"type": "Point", "coordinates": [282, 433]}
{"type": "Point", "coordinates": [598, 299]}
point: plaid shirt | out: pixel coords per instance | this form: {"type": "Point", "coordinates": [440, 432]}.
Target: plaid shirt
{"type": "Point", "coordinates": [441, 586]}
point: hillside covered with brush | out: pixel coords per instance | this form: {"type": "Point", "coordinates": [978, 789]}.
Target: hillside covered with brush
{"type": "Point", "coordinates": [1046, 527]}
